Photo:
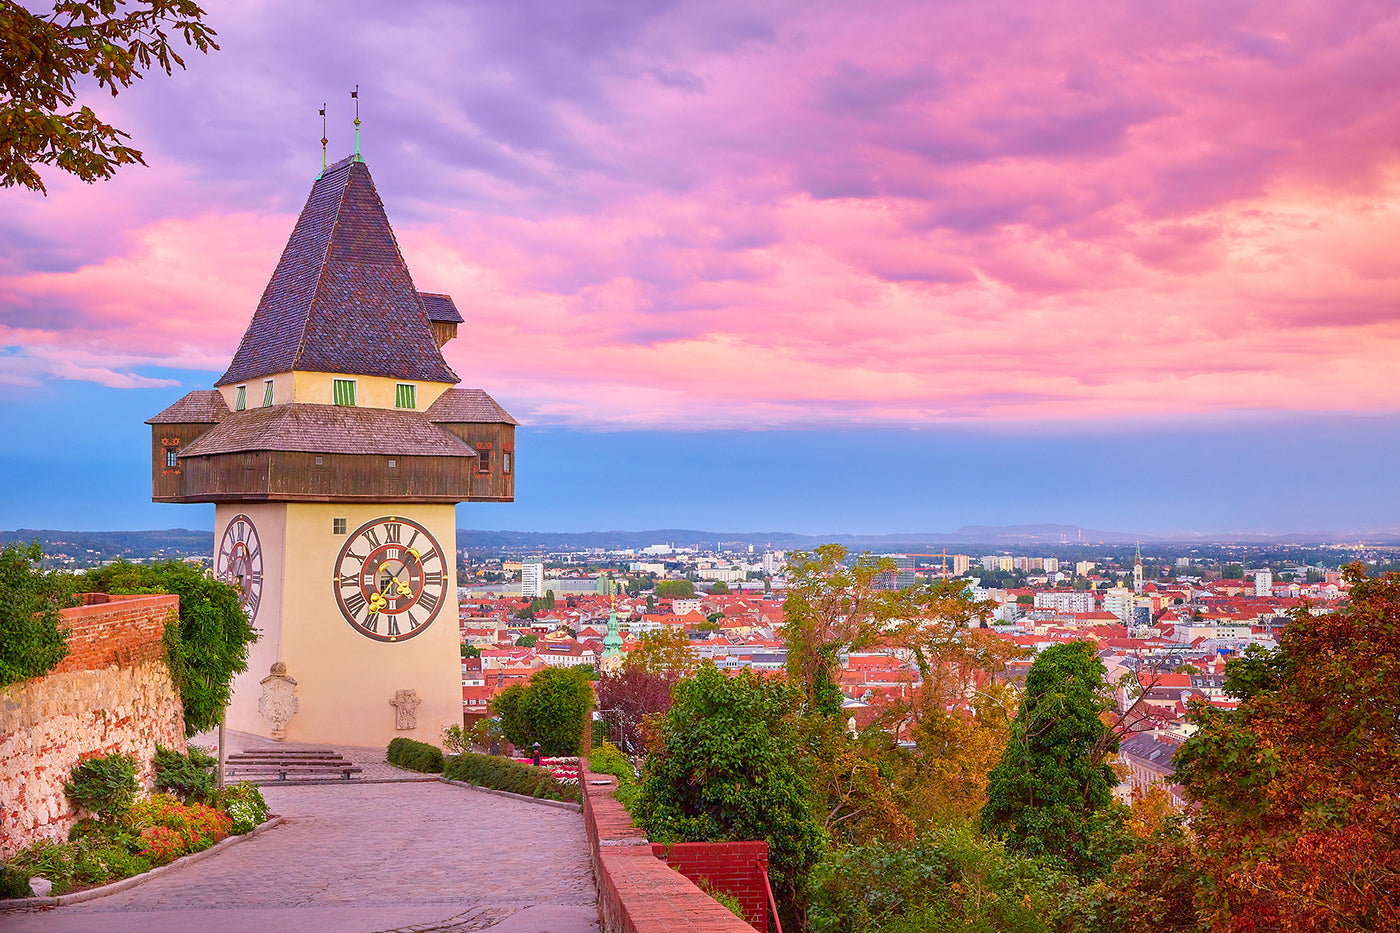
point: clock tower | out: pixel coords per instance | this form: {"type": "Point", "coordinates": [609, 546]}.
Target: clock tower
{"type": "Point", "coordinates": [335, 448]}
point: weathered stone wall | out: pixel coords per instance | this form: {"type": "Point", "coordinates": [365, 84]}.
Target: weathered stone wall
{"type": "Point", "coordinates": [111, 694]}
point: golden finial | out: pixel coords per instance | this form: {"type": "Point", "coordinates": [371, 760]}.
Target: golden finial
{"type": "Point", "coordinates": [324, 140]}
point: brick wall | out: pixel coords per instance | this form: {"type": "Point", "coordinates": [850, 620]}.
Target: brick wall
{"type": "Point", "coordinates": [638, 892]}
{"type": "Point", "coordinates": [731, 867]}
{"type": "Point", "coordinates": [111, 694]}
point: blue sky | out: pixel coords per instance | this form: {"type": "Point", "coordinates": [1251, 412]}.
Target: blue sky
{"type": "Point", "coordinates": [81, 462]}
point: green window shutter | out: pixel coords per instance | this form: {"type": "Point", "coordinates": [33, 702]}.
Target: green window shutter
{"type": "Point", "coordinates": [267, 394]}
{"type": "Point", "coordinates": [343, 392]}
{"type": "Point", "coordinates": [406, 396]}
{"type": "Point", "coordinates": [240, 398]}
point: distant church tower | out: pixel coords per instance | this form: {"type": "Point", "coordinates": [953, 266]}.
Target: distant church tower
{"type": "Point", "coordinates": [335, 448]}
{"type": "Point", "coordinates": [1138, 581]}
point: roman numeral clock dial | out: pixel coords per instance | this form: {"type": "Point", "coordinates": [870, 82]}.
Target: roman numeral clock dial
{"type": "Point", "coordinates": [390, 579]}
{"type": "Point", "coordinates": [239, 562]}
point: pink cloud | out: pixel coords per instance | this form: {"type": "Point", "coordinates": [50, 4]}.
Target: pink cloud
{"type": "Point", "coordinates": [797, 215]}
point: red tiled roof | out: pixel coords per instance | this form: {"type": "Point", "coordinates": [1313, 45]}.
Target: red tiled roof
{"type": "Point", "coordinates": [341, 299]}
{"type": "Point", "coordinates": [469, 406]}
{"type": "Point", "coordinates": [202, 406]}
{"type": "Point", "coordinates": [332, 429]}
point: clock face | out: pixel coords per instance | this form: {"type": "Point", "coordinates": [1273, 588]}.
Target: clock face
{"type": "Point", "coordinates": [239, 562]}
{"type": "Point", "coordinates": [390, 579]}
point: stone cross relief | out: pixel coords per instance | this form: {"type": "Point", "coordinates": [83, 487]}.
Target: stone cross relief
{"type": "Point", "coordinates": [278, 703]}
{"type": "Point", "coordinates": [405, 704]}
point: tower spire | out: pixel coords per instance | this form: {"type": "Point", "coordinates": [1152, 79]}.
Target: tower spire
{"type": "Point", "coordinates": [355, 96]}
{"type": "Point", "coordinates": [324, 140]}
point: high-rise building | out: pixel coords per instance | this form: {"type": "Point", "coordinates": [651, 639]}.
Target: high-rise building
{"type": "Point", "coordinates": [532, 579]}
{"type": "Point", "coordinates": [1263, 583]}
{"type": "Point", "coordinates": [960, 564]}
{"type": "Point", "coordinates": [1050, 564]}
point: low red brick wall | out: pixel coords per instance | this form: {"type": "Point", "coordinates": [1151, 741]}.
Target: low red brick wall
{"type": "Point", "coordinates": [731, 867]}
{"type": "Point", "coordinates": [115, 631]}
{"type": "Point", "coordinates": [638, 892]}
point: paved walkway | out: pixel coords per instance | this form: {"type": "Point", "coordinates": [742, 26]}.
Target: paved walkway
{"type": "Point", "coordinates": [366, 858]}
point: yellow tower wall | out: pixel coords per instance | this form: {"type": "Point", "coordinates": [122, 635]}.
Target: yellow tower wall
{"type": "Point", "coordinates": [345, 680]}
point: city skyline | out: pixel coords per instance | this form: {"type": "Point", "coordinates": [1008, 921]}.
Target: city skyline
{"type": "Point", "coordinates": [799, 267]}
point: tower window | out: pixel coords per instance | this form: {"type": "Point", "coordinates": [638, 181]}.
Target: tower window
{"type": "Point", "coordinates": [340, 526]}
{"type": "Point", "coordinates": [267, 393]}
{"type": "Point", "coordinates": [483, 459]}
{"type": "Point", "coordinates": [406, 395]}
{"type": "Point", "coordinates": [343, 392]}
{"type": "Point", "coordinates": [240, 398]}
{"type": "Point", "coordinates": [506, 458]}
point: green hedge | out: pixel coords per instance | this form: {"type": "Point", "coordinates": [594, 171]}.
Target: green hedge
{"type": "Point", "coordinates": [499, 773]}
{"type": "Point", "coordinates": [416, 756]}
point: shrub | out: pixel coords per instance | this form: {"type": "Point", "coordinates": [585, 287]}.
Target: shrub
{"type": "Point", "coordinates": [106, 785]}
{"type": "Point", "coordinates": [32, 639]}
{"type": "Point", "coordinates": [108, 863]}
{"type": "Point", "coordinates": [244, 804]}
{"type": "Point", "coordinates": [551, 710]}
{"type": "Point", "coordinates": [500, 773]}
{"type": "Point", "coordinates": [948, 878]}
{"type": "Point", "coordinates": [191, 777]}
{"type": "Point", "coordinates": [161, 844]}
{"type": "Point", "coordinates": [606, 758]}
{"type": "Point", "coordinates": [102, 834]}
{"type": "Point", "coordinates": [13, 882]}
{"type": "Point", "coordinates": [416, 756]}
{"type": "Point", "coordinates": [195, 825]}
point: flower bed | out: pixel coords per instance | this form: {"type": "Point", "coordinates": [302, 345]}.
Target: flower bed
{"type": "Point", "coordinates": [131, 836]}
{"type": "Point", "coordinates": [564, 770]}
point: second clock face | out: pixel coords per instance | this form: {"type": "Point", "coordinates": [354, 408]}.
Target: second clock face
{"type": "Point", "coordinates": [239, 562]}
{"type": "Point", "coordinates": [390, 578]}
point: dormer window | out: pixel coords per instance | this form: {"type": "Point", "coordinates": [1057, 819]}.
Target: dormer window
{"type": "Point", "coordinates": [343, 392]}
{"type": "Point", "coordinates": [406, 396]}
{"type": "Point", "coordinates": [240, 398]}
{"type": "Point", "coordinates": [267, 393]}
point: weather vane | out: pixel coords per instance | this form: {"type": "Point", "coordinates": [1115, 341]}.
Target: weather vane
{"type": "Point", "coordinates": [355, 96]}
{"type": "Point", "coordinates": [324, 140]}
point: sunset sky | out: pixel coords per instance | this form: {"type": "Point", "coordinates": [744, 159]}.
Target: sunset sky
{"type": "Point", "coordinates": [819, 267]}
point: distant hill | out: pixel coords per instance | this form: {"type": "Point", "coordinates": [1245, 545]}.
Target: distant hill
{"type": "Point", "coordinates": [85, 548]}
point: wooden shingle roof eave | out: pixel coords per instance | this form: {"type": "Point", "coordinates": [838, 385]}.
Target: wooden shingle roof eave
{"type": "Point", "coordinates": [329, 429]}
{"type": "Point", "coordinates": [468, 406]}
{"type": "Point", "coordinates": [202, 406]}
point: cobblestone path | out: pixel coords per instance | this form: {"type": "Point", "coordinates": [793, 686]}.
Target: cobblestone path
{"type": "Point", "coordinates": [366, 858]}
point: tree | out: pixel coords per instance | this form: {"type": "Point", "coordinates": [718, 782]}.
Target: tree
{"type": "Point", "coordinates": [44, 54]}
{"type": "Point", "coordinates": [665, 652]}
{"type": "Point", "coordinates": [209, 643]}
{"type": "Point", "coordinates": [675, 589]}
{"type": "Point", "coordinates": [32, 636]}
{"type": "Point", "coordinates": [725, 767]}
{"type": "Point", "coordinates": [1297, 787]}
{"type": "Point", "coordinates": [627, 697]}
{"type": "Point", "coordinates": [834, 606]}
{"type": "Point", "coordinates": [1051, 794]}
{"type": "Point", "coordinates": [471, 651]}
{"type": "Point", "coordinates": [527, 641]}
{"type": "Point", "coordinates": [551, 710]}
{"type": "Point", "coordinates": [719, 588]}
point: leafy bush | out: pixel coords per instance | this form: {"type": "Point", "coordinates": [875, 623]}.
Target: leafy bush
{"type": "Point", "coordinates": [207, 646]}
{"type": "Point", "coordinates": [108, 863]}
{"type": "Point", "coordinates": [106, 785]}
{"type": "Point", "coordinates": [13, 882]}
{"type": "Point", "coordinates": [195, 826]}
{"type": "Point", "coordinates": [504, 774]}
{"type": "Point", "coordinates": [103, 834]}
{"type": "Point", "coordinates": [244, 804]}
{"type": "Point", "coordinates": [416, 756]}
{"type": "Point", "coordinates": [191, 777]}
{"type": "Point", "coordinates": [32, 639]}
{"type": "Point", "coordinates": [608, 759]}
{"type": "Point", "coordinates": [946, 879]}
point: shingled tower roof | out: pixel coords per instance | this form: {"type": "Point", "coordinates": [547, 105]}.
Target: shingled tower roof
{"type": "Point", "coordinates": [341, 299]}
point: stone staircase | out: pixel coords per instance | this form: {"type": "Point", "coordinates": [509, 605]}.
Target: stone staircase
{"type": "Point", "coordinates": [289, 766]}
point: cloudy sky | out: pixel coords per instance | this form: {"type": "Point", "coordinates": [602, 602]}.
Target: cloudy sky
{"type": "Point", "coordinates": [805, 266]}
